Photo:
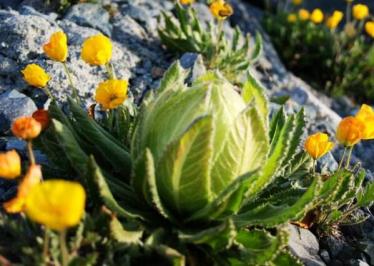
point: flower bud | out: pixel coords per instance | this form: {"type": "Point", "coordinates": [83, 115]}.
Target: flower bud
{"type": "Point", "coordinates": [10, 165]}
{"type": "Point", "coordinates": [369, 28]}
{"type": "Point", "coordinates": [35, 76]}
{"type": "Point", "coordinates": [26, 128]}
{"type": "Point", "coordinates": [57, 47]}
{"type": "Point", "coordinates": [304, 14]}
{"type": "Point", "coordinates": [97, 50]}
{"type": "Point", "coordinates": [292, 18]}
{"type": "Point", "coordinates": [42, 117]}
{"type": "Point", "coordinates": [366, 116]}
{"type": "Point", "coordinates": [360, 11]}
{"type": "Point", "coordinates": [317, 145]}
{"type": "Point", "coordinates": [350, 131]}
{"type": "Point", "coordinates": [316, 16]}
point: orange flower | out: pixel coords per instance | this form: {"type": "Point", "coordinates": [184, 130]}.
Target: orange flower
{"type": "Point", "coordinates": [32, 178]}
{"type": "Point", "coordinates": [366, 116]}
{"type": "Point", "coordinates": [57, 48]}
{"type": "Point", "coordinates": [350, 131]}
{"type": "Point", "coordinates": [186, 2]}
{"type": "Point", "coordinates": [10, 165]}
{"type": "Point", "coordinates": [26, 128]}
{"type": "Point", "coordinates": [42, 117]}
{"type": "Point", "coordinates": [317, 145]}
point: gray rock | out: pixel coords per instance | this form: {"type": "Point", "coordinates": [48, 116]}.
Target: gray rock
{"type": "Point", "coordinates": [91, 15]}
{"type": "Point", "coordinates": [12, 105]}
{"type": "Point", "coordinates": [10, 3]}
{"type": "Point", "coordinates": [304, 245]}
{"type": "Point", "coordinates": [325, 256]}
{"type": "Point", "coordinates": [327, 164]}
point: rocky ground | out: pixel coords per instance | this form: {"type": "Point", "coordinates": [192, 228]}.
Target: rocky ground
{"type": "Point", "coordinates": [139, 57]}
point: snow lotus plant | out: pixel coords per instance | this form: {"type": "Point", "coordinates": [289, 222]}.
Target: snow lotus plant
{"type": "Point", "coordinates": [201, 169]}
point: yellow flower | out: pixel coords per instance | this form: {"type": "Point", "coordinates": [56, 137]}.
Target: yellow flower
{"type": "Point", "coordinates": [360, 11]}
{"type": "Point", "coordinates": [57, 204]}
{"type": "Point", "coordinates": [31, 179]}
{"type": "Point", "coordinates": [350, 131]}
{"type": "Point", "coordinates": [186, 2]}
{"type": "Point", "coordinates": [369, 27]}
{"type": "Point", "coordinates": [304, 14]}
{"type": "Point", "coordinates": [297, 2]}
{"type": "Point", "coordinates": [220, 9]}
{"type": "Point", "coordinates": [316, 16]}
{"type": "Point", "coordinates": [292, 18]}
{"type": "Point", "coordinates": [26, 128]}
{"type": "Point", "coordinates": [97, 50]}
{"type": "Point", "coordinates": [366, 116]}
{"type": "Point", "coordinates": [35, 76]}
{"type": "Point", "coordinates": [333, 21]}
{"type": "Point", "coordinates": [111, 93]}
{"type": "Point", "coordinates": [57, 48]}
{"type": "Point", "coordinates": [317, 145]}
{"type": "Point", "coordinates": [10, 165]}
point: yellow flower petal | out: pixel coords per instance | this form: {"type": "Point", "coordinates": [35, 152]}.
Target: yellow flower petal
{"type": "Point", "coordinates": [57, 47]}
{"type": "Point", "coordinates": [220, 9]}
{"type": "Point", "coordinates": [369, 28]}
{"type": "Point", "coordinates": [35, 76]}
{"type": "Point", "coordinates": [97, 50]}
{"type": "Point", "coordinates": [304, 14]}
{"type": "Point", "coordinates": [333, 21]}
{"type": "Point", "coordinates": [317, 145]}
{"type": "Point", "coordinates": [32, 178]}
{"type": "Point", "coordinates": [57, 204]}
{"type": "Point", "coordinates": [360, 11]}
{"type": "Point", "coordinates": [317, 16]}
{"type": "Point", "coordinates": [10, 165]}
{"type": "Point", "coordinates": [366, 116]}
{"type": "Point", "coordinates": [111, 93]}
{"type": "Point", "coordinates": [350, 131]}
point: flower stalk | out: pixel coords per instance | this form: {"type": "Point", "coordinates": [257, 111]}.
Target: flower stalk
{"type": "Point", "coordinates": [68, 74]}
{"type": "Point", "coordinates": [64, 250]}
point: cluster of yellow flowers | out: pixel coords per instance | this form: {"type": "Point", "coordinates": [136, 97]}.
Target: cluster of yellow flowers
{"type": "Point", "coordinates": [351, 130]}
{"type": "Point", "coordinates": [360, 12]}
{"type": "Point", "coordinates": [96, 50]}
{"type": "Point", "coordinates": [220, 9]}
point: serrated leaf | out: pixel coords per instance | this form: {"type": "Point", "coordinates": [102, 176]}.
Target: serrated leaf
{"type": "Point", "coordinates": [103, 142]}
{"type": "Point", "coordinates": [367, 198]}
{"type": "Point", "coordinates": [173, 77]}
{"type": "Point", "coordinates": [270, 214]}
{"type": "Point", "coordinates": [252, 90]}
{"type": "Point", "coordinates": [285, 258]}
{"type": "Point", "coordinates": [218, 238]}
{"type": "Point", "coordinates": [123, 236]}
{"type": "Point", "coordinates": [256, 54]}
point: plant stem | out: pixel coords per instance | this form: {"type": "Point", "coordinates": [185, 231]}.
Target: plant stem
{"type": "Point", "coordinates": [348, 12]}
{"type": "Point", "coordinates": [64, 250]}
{"type": "Point", "coordinates": [110, 71]}
{"type": "Point", "coordinates": [30, 152]}
{"type": "Point", "coordinates": [46, 245]}
{"type": "Point", "coordinates": [75, 91]}
{"type": "Point", "coordinates": [314, 166]}
{"type": "Point", "coordinates": [342, 159]}
{"type": "Point", "coordinates": [349, 157]}
{"type": "Point", "coordinates": [48, 92]}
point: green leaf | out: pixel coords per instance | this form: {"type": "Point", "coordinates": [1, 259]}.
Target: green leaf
{"type": "Point", "coordinates": [244, 149]}
{"type": "Point", "coordinates": [183, 176]}
{"type": "Point", "coordinates": [173, 78]}
{"type": "Point", "coordinates": [228, 201]}
{"type": "Point", "coordinates": [107, 196]}
{"type": "Point", "coordinates": [270, 213]}
{"type": "Point", "coordinates": [124, 236]}
{"type": "Point", "coordinates": [253, 90]}
{"type": "Point", "coordinates": [286, 259]}
{"type": "Point", "coordinates": [76, 156]}
{"type": "Point", "coordinates": [102, 141]}
{"type": "Point", "coordinates": [258, 247]}
{"type": "Point", "coordinates": [367, 198]}
{"type": "Point", "coordinates": [218, 238]}
{"type": "Point", "coordinates": [256, 54]}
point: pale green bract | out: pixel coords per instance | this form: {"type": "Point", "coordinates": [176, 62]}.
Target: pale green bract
{"type": "Point", "coordinates": [201, 139]}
